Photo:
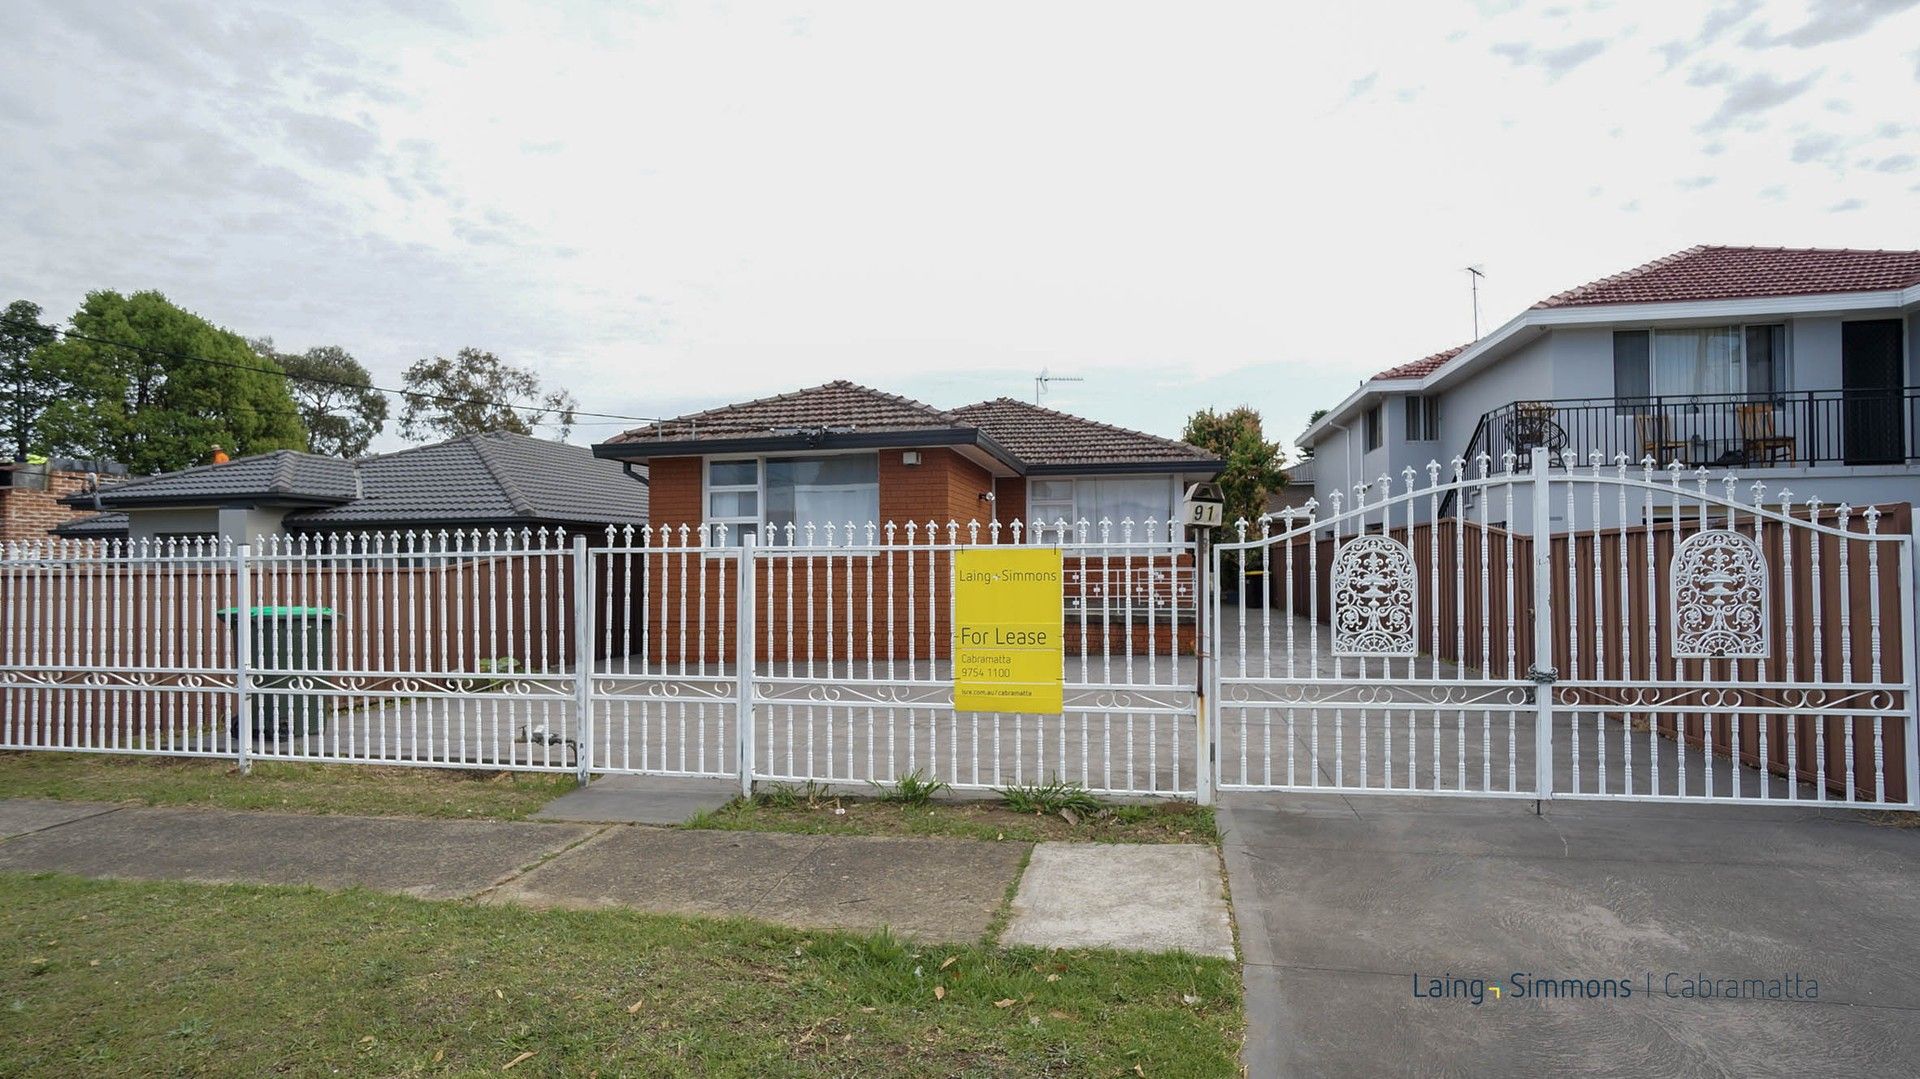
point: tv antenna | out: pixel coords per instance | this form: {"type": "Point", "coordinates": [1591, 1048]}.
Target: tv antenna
{"type": "Point", "coordinates": [1474, 274]}
{"type": "Point", "coordinates": [1041, 380]}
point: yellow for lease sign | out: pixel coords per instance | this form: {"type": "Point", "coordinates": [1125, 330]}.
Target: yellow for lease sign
{"type": "Point", "coordinates": [1008, 630]}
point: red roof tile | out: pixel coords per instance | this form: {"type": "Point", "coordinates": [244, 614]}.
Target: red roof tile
{"type": "Point", "coordinates": [839, 404]}
{"type": "Point", "coordinates": [1724, 273]}
{"type": "Point", "coordinates": [1042, 436]}
{"type": "Point", "coordinates": [1422, 367]}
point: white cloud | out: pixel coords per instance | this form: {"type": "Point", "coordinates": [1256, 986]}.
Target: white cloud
{"type": "Point", "coordinates": [672, 206]}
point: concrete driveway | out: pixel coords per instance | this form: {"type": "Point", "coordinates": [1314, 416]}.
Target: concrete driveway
{"type": "Point", "coordinates": [1345, 904]}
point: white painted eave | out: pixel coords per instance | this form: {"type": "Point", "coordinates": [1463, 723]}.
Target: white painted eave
{"type": "Point", "coordinates": [1499, 342]}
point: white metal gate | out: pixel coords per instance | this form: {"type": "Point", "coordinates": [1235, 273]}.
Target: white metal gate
{"type": "Point", "coordinates": [835, 643]}
{"type": "Point", "coordinates": [1570, 630]}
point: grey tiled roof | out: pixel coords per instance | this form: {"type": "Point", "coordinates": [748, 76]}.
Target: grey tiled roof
{"type": "Point", "coordinates": [285, 474]}
{"type": "Point", "coordinates": [839, 404]}
{"type": "Point", "coordinates": [94, 525]}
{"type": "Point", "coordinates": [487, 477]}
{"type": "Point", "coordinates": [484, 478]}
{"type": "Point", "coordinates": [1041, 436]}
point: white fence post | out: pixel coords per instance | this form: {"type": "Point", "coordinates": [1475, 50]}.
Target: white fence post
{"type": "Point", "coordinates": [744, 623]}
{"type": "Point", "coordinates": [1207, 702]}
{"type": "Point", "coordinates": [583, 660]}
{"type": "Point", "coordinates": [1908, 661]}
{"type": "Point", "coordinates": [242, 655]}
{"type": "Point", "coordinates": [1543, 673]}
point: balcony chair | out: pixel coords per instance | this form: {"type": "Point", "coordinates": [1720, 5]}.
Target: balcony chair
{"type": "Point", "coordinates": [1654, 431]}
{"type": "Point", "coordinates": [1532, 424]}
{"type": "Point", "coordinates": [1759, 443]}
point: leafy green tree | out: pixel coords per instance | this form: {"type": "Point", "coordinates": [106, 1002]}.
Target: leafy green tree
{"type": "Point", "coordinates": [28, 384]}
{"type": "Point", "coordinates": [342, 411]}
{"type": "Point", "coordinates": [478, 391]}
{"type": "Point", "coordinates": [1252, 464]}
{"type": "Point", "coordinates": [149, 384]}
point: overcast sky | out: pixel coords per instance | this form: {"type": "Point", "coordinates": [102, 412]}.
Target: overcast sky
{"type": "Point", "coordinates": [672, 205]}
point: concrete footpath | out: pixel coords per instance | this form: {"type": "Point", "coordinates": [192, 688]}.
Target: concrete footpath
{"type": "Point", "coordinates": [927, 889]}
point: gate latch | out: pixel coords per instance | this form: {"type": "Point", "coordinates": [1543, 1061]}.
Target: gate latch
{"type": "Point", "coordinates": [1545, 676]}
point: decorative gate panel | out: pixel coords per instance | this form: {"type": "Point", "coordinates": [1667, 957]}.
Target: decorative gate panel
{"type": "Point", "coordinates": [1580, 630]}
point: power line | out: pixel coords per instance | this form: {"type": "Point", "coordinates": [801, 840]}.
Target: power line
{"type": "Point", "coordinates": [538, 410]}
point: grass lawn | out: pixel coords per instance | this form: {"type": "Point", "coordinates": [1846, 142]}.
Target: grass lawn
{"type": "Point", "coordinates": [801, 810]}
{"type": "Point", "coordinates": [111, 978]}
{"type": "Point", "coordinates": [369, 790]}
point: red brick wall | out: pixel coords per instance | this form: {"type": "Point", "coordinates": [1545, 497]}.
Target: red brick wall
{"type": "Point", "coordinates": [943, 487]}
{"type": "Point", "coordinates": [29, 514]}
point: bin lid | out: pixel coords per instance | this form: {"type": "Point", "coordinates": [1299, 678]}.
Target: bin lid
{"type": "Point", "coordinates": [280, 612]}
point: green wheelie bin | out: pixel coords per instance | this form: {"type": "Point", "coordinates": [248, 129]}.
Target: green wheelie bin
{"type": "Point", "coordinates": [283, 640]}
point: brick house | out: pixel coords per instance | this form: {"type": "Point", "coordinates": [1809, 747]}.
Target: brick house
{"type": "Point", "coordinates": [797, 468]}
{"type": "Point", "coordinates": [33, 494]}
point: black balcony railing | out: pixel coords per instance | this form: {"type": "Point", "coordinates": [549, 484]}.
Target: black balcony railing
{"type": "Point", "coordinates": [1769, 430]}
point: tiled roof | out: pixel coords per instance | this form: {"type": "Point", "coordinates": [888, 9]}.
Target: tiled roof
{"type": "Point", "coordinates": [1041, 436]}
{"type": "Point", "coordinates": [487, 477]}
{"type": "Point", "coordinates": [1724, 273]}
{"type": "Point", "coordinates": [287, 474]}
{"type": "Point", "coordinates": [93, 526]}
{"type": "Point", "coordinates": [1424, 366]}
{"type": "Point", "coordinates": [839, 405]}
{"type": "Point", "coordinates": [491, 477]}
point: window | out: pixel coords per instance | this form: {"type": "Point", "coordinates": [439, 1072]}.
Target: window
{"type": "Point", "coordinates": [733, 497]}
{"type": "Point", "coordinates": [1115, 499]}
{"type": "Point", "coordinates": [832, 489]}
{"type": "Point", "coordinates": [1375, 422]}
{"type": "Point", "coordinates": [1720, 360]}
{"type": "Point", "coordinates": [1423, 419]}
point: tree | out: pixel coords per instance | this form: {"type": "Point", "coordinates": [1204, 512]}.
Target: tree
{"type": "Point", "coordinates": [1307, 451]}
{"type": "Point", "coordinates": [28, 383]}
{"type": "Point", "coordinates": [1252, 464]}
{"type": "Point", "coordinates": [477, 391]}
{"type": "Point", "coordinates": [342, 411]}
{"type": "Point", "coordinates": [156, 387]}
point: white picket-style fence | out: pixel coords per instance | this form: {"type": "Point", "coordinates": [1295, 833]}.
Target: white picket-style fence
{"type": "Point", "coordinates": [637, 650]}
{"type": "Point", "coordinates": [1546, 629]}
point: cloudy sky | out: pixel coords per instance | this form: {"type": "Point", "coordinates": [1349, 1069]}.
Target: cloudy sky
{"type": "Point", "coordinates": [671, 205]}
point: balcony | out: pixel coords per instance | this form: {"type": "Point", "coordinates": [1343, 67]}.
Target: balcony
{"type": "Point", "coordinates": [1800, 429]}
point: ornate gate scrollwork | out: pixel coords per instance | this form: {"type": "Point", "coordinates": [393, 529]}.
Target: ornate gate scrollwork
{"type": "Point", "coordinates": [1375, 593]}
{"type": "Point", "coordinates": [1719, 597]}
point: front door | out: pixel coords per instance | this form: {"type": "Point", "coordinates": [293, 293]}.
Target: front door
{"type": "Point", "coordinates": [1871, 383]}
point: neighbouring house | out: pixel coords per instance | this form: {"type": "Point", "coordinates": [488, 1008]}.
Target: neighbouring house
{"type": "Point", "coordinates": [32, 493]}
{"type": "Point", "coordinates": [490, 481]}
{"type": "Point", "coordinates": [798, 468]}
{"type": "Point", "coordinates": [1794, 367]}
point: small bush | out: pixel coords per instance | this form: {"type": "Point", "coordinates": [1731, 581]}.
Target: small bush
{"type": "Point", "coordinates": [914, 789]}
{"type": "Point", "coordinates": [1051, 797]}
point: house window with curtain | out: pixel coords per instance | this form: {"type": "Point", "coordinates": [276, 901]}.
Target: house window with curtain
{"type": "Point", "coordinates": [830, 489]}
{"type": "Point", "coordinates": [1747, 361]}
{"type": "Point", "coordinates": [1376, 428]}
{"type": "Point", "coordinates": [1115, 499]}
{"type": "Point", "coordinates": [1423, 419]}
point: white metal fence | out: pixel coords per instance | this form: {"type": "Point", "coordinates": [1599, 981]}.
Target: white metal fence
{"type": "Point", "coordinates": [1579, 630]}
{"type": "Point", "coordinates": [1584, 629]}
{"type": "Point", "coordinates": [637, 651]}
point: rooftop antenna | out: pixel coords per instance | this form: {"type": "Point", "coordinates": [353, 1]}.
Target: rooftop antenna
{"type": "Point", "coordinates": [1041, 380]}
{"type": "Point", "coordinates": [1474, 274]}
